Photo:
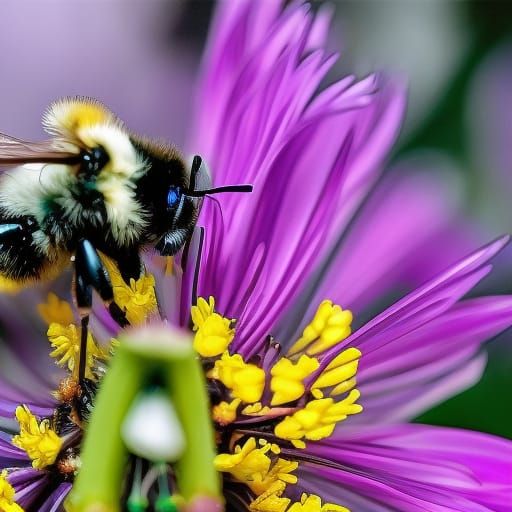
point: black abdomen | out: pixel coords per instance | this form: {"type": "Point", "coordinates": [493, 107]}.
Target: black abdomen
{"type": "Point", "coordinates": [21, 257]}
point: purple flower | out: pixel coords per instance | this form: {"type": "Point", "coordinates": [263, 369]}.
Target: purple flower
{"type": "Point", "coordinates": [270, 259]}
{"type": "Point", "coordinates": [310, 388]}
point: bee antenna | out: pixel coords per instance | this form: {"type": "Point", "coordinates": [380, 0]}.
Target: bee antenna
{"type": "Point", "coordinates": [197, 161]}
{"type": "Point", "coordinates": [218, 190]}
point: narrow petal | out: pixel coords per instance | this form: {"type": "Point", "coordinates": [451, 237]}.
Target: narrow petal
{"type": "Point", "coordinates": [418, 369]}
{"type": "Point", "coordinates": [415, 468]}
{"type": "Point", "coordinates": [423, 305]}
{"type": "Point", "coordinates": [386, 251]}
{"type": "Point", "coordinates": [269, 129]}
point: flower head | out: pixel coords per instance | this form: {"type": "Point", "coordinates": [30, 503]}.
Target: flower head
{"type": "Point", "coordinates": [308, 400]}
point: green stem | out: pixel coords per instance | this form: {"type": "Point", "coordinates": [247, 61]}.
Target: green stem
{"type": "Point", "coordinates": [195, 471]}
{"type": "Point", "coordinates": [143, 352]}
{"type": "Point", "coordinates": [98, 485]}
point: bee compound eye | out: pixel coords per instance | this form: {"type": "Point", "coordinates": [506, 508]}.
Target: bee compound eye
{"type": "Point", "coordinates": [94, 160]}
{"type": "Point", "coordinates": [173, 197]}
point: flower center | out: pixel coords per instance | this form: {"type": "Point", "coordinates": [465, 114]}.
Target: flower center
{"type": "Point", "coordinates": [287, 401]}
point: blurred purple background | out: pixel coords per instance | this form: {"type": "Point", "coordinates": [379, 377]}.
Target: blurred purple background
{"type": "Point", "coordinates": [122, 52]}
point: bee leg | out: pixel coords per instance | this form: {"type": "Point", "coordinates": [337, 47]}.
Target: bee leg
{"type": "Point", "coordinates": [91, 270]}
{"type": "Point", "coordinates": [130, 265]}
{"type": "Point", "coordinates": [83, 295]}
{"type": "Point", "coordinates": [171, 243]}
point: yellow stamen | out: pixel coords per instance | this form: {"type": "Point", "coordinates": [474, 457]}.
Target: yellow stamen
{"type": "Point", "coordinates": [341, 369]}
{"type": "Point", "coordinates": [287, 378]}
{"type": "Point", "coordinates": [214, 332]}
{"type": "Point", "coordinates": [246, 381]}
{"type": "Point", "coordinates": [271, 500]}
{"type": "Point", "coordinates": [55, 310]}
{"type": "Point", "coordinates": [256, 409]}
{"type": "Point", "coordinates": [254, 467]}
{"type": "Point", "coordinates": [317, 420]}
{"type": "Point", "coordinates": [330, 325]}
{"type": "Point", "coordinates": [313, 503]}
{"type": "Point", "coordinates": [66, 343]}
{"type": "Point", "coordinates": [138, 299]}
{"type": "Point", "coordinates": [41, 443]}
{"type": "Point", "coordinates": [7, 492]}
{"type": "Point", "coordinates": [225, 413]}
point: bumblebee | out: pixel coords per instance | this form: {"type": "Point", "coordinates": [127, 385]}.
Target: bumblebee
{"type": "Point", "coordinates": [93, 186]}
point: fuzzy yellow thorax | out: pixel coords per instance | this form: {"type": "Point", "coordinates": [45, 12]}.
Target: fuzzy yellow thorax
{"type": "Point", "coordinates": [225, 413]}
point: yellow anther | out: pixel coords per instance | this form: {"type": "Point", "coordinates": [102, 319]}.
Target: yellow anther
{"type": "Point", "coordinates": [313, 503]}
{"type": "Point", "coordinates": [271, 500]}
{"type": "Point", "coordinates": [317, 393]}
{"type": "Point", "coordinates": [66, 343]}
{"type": "Point", "coordinates": [55, 310]}
{"type": "Point", "coordinates": [344, 369]}
{"type": "Point", "coordinates": [213, 332]}
{"type": "Point", "coordinates": [317, 420]}
{"type": "Point", "coordinates": [287, 378]}
{"type": "Point", "coordinates": [138, 299]}
{"type": "Point", "coordinates": [343, 387]}
{"type": "Point", "coordinates": [246, 381]}
{"type": "Point", "coordinates": [254, 467]}
{"type": "Point", "coordinates": [7, 492]}
{"type": "Point", "coordinates": [330, 325]}
{"type": "Point", "coordinates": [41, 443]}
{"type": "Point", "coordinates": [225, 413]}
{"type": "Point", "coordinates": [346, 356]}
{"type": "Point", "coordinates": [255, 409]}
{"type": "Point", "coordinates": [202, 311]}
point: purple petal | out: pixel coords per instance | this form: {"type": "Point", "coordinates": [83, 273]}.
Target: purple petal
{"type": "Point", "coordinates": [265, 127]}
{"type": "Point", "coordinates": [386, 251]}
{"type": "Point", "coordinates": [423, 305]}
{"type": "Point", "coordinates": [11, 455]}
{"type": "Point", "coordinates": [29, 484]}
{"type": "Point", "coordinates": [54, 501]}
{"type": "Point", "coordinates": [413, 468]}
{"type": "Point", "coordinates": [418, 369]}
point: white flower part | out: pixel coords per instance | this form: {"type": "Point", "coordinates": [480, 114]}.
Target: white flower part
{"type": "Point", "coordinates": [152, 429]}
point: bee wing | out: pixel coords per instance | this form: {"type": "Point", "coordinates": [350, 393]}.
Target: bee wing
{"type": "Point", "coordinates": [15, 151]}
